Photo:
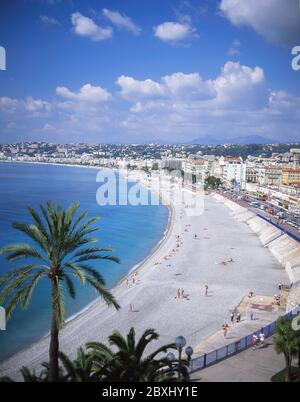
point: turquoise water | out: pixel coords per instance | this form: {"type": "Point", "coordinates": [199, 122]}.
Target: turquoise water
{"type": "Point", "coordinates": [132, 231]}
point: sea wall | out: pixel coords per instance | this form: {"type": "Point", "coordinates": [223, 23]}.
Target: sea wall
{"type": "Point", "coordinates": [285, 249]}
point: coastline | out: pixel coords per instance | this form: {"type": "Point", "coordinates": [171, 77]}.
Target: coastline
{"type": "Point", "coordinates": [161, 273]}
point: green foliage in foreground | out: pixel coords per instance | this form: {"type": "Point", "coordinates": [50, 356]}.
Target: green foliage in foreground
{"type": "Point", "coordinates": [60, 248]}
{"type": "Point", "coordinates": [287, 341]}
{"type": "Point", "coordinates": [281, 376]}
{"type": "Point", "coordinates": [125, 361]}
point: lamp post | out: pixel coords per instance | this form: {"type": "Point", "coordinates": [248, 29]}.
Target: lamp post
{"type": "Point", "coordinates": [180, 342]}
{"type": "Point", "coordinates": [170, 357]}
{"type": "Point", "coordinates": [189, 351]}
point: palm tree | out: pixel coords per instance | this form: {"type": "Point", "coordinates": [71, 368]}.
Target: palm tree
{"type": "Point", "coordinates": [128, 362]}
{"type": "Point", "coordinates": [98, 363]}
{"type": "Point", "coordinates": [62, 246]}
{"type": "Point", "coordinates": [286, 343]}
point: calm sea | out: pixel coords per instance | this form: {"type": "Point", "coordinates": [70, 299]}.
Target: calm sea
{"type": "Point", "coordinates": [132, 231]}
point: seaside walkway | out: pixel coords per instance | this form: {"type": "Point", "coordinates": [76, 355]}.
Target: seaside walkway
{"type": "Point", "coordinates": [257, 365]}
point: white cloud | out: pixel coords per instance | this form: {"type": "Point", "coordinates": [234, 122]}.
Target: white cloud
{"type": "Point", "coordinates": [36, 105]}
{"type": "Point", "coordinates": [276, 20]}
{"type": "Point", "coordinates": [241, 86]}
{"type": "Point", "coordinates": [48, 127]}
{"type": "Point", "coordinates": [234, 49]}
{"type": "Point", "coordinates": [177, 107]}
{"type": "Point", "coordinates": [87, 93]}
{"type": "Point", "coordinates": [49, 20]}
{"type": "Point", "coordinates": [121, 21]}
{"type": "Point", "coordinates": [84, 26]}
{"type": "Point", "coordinates": [135, 89]}
{"type": "Point", "coordinates": [188, 86]}
{"type": "Point", "coordinates": [173, 32]}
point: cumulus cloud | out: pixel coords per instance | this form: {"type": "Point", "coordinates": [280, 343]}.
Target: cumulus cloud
{"type": "Point", "coordinates": [133, 89]}
{"type": "Point", "coordinates": [188, 86]}
{"type": "Point", "coordinates": [234, 49]}
{"type": "Point", "coordinates": [36, 105]}
{"type": "Point", "coordinates": [49, 20]}
{"type": "Point", "coordinates": [87, 93]}
{"type": "Point", "coordinates": [121, 21]}
{"type": "Point", "coordinates": [277, 21]}
{"type": "Point", "coordinates": [177, 107]}
{"type": "Point", "coordinates": [241, 86]}
{"type": "Point", "coordinates": [173, 32]}
{"type": "Point", "coordinates": [84, 26]}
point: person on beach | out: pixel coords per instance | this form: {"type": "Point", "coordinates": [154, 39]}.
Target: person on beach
{"type": "Point", "coordinates": [206, 289]}
{"type": "Point", "coordinates": [130, 308]}
{"type": "Point", "coordinates": [178, 294]}
{"type": "Point", "coordinates": [251, 315]}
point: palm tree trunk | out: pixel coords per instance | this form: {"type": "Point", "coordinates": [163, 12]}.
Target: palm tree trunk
{"type": "Point", "coordinates": [54, 342]}
{"type": "Point", "coordinates": [288, 368]}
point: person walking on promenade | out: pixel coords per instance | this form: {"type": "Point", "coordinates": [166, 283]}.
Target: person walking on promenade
{"type": "Point", "coordinates": [232, 317]}
{"type": "Point", "coordinates": [238, 318]}
{"type": "Point", "coordinates": [206, 289]}
{"type": "Point", "coordinates": [225, 330]}
{"type": "Point", "coordinates": [254, 341]}
{"type": "Point", "coordinates": [262, 339]}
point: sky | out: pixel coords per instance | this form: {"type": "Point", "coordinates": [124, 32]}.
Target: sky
{"type": "Point", "coordinates": [144, 71]}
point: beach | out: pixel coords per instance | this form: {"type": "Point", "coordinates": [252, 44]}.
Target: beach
{"type": "Point", "coordinates": [180, 261]}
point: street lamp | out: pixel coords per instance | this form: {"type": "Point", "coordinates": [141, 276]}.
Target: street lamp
{"type": "Point", "coordinates": [189, 351]}
{"type": "Point", "coordinates": [180, 342]}
{"type": "Point", "coordinates": [170, 357]}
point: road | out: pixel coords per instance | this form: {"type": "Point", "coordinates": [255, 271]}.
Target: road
{"type": "Point", "coordinates": [283, 226]}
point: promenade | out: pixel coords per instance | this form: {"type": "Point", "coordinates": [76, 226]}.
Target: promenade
{"type": "Point", "coordinates": [257, 365]}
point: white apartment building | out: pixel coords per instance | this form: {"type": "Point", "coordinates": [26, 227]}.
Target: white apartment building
{"type": "Point", "coordinates": [232, 170]}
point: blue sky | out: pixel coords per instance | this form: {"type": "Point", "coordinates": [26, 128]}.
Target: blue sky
{"type": "Point", "coordinates": [144, 71]}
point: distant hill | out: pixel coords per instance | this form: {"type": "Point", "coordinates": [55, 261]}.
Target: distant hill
{"type": "Point", "coordinates": [250, 139]}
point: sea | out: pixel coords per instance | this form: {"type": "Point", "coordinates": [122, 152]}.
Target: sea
{"type": "Point", "coordinates": [131, 231]}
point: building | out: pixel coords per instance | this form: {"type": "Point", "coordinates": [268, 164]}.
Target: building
{"type": "Point", "coordinates": [171, 163]}
{"type": "Point", "coordinates": [270, 175]}
{"type": "Point", "coordinates": [233, 169]}
{"type": "Point", "coordinates": [295, 152]}
{"type": "Point", "coordinates": [291, 176]}
{"type": "Point", "coordinates": [251, 174]}
{"type": "Point", "coordinates": [194, 171]}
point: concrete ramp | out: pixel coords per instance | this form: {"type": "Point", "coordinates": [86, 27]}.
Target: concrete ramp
{"type": "Point", "coordinates": [285, 249]}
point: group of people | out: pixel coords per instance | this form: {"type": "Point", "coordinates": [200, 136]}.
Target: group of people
{"type": "Point", "coordinates": [235, 317]}
{"type": "Point", "coordinates": [258, 340]}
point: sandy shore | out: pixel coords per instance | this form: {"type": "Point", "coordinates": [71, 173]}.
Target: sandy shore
{"type": "Point", "coordinates": [187, 266]}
